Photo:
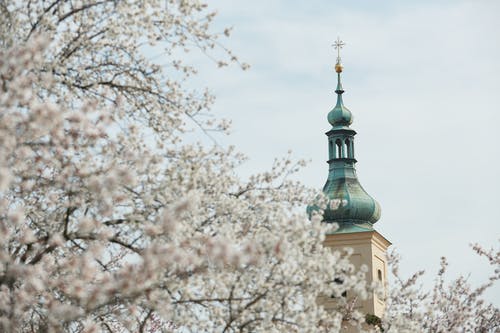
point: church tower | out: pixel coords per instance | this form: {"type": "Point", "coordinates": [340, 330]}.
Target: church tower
{"type": "Point", "coordinates": [349, 205]}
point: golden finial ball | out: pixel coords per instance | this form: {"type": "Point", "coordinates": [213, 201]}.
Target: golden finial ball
{"type": "Point", "coordinates": [339, 67]}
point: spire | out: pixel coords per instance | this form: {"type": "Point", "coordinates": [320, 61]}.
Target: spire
{"type": "Point", "coordinates": [338, 45]}
{"type": "Point", "coordinates": [340, 89]}
{"type": "Point", "coordinates": [349, 204]}
{"type": "Point", "coordinates": [340, 115]}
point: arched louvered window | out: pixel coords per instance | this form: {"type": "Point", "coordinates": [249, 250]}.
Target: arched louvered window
{"type": "Point", "coordinates": [348, 148]}
{"type": "Point", "coordinates": [338, 143]}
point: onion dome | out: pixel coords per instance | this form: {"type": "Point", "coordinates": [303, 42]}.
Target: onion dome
{"type": "Point", "coordinates": [339, 115]}
{"type": "Point", "coordinates": [348, 202]}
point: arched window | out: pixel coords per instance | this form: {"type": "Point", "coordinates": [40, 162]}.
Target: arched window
{"type": "Point", "coordinates": [339, 148]}
{"type": "Point", "coordinates": [379, 275]}
{"type": "Point", "coordinates": [331, 150]}
{"type": "Point", "coordinates": [348, 148]}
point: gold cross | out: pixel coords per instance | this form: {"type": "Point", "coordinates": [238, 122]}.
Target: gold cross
{"type": "Point", "coordinates": [338, 44]}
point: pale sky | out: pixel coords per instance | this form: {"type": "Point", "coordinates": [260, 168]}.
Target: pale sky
{"type": "Point", "coordinates": [422, 79]}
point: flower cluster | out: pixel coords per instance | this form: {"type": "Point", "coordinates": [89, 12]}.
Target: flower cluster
{"type": "Point", "coordinates": [449, 307]}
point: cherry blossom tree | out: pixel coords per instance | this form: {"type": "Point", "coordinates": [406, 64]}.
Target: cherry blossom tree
{"type": "Point", "coordinates": [109, 221]}
{"type": "Point", "coordinates": [453, 306]}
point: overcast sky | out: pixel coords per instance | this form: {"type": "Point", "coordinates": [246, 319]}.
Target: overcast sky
{"type": "Point", "coordinates": [422, 79]}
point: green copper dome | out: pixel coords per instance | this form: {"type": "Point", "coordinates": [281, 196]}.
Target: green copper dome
{"type": "Point", "coordinates": [348, 201]}
{"type": "Point", "coordinates": [349, 204]}
{"type": "Point", "coordinates": [340, 115]}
